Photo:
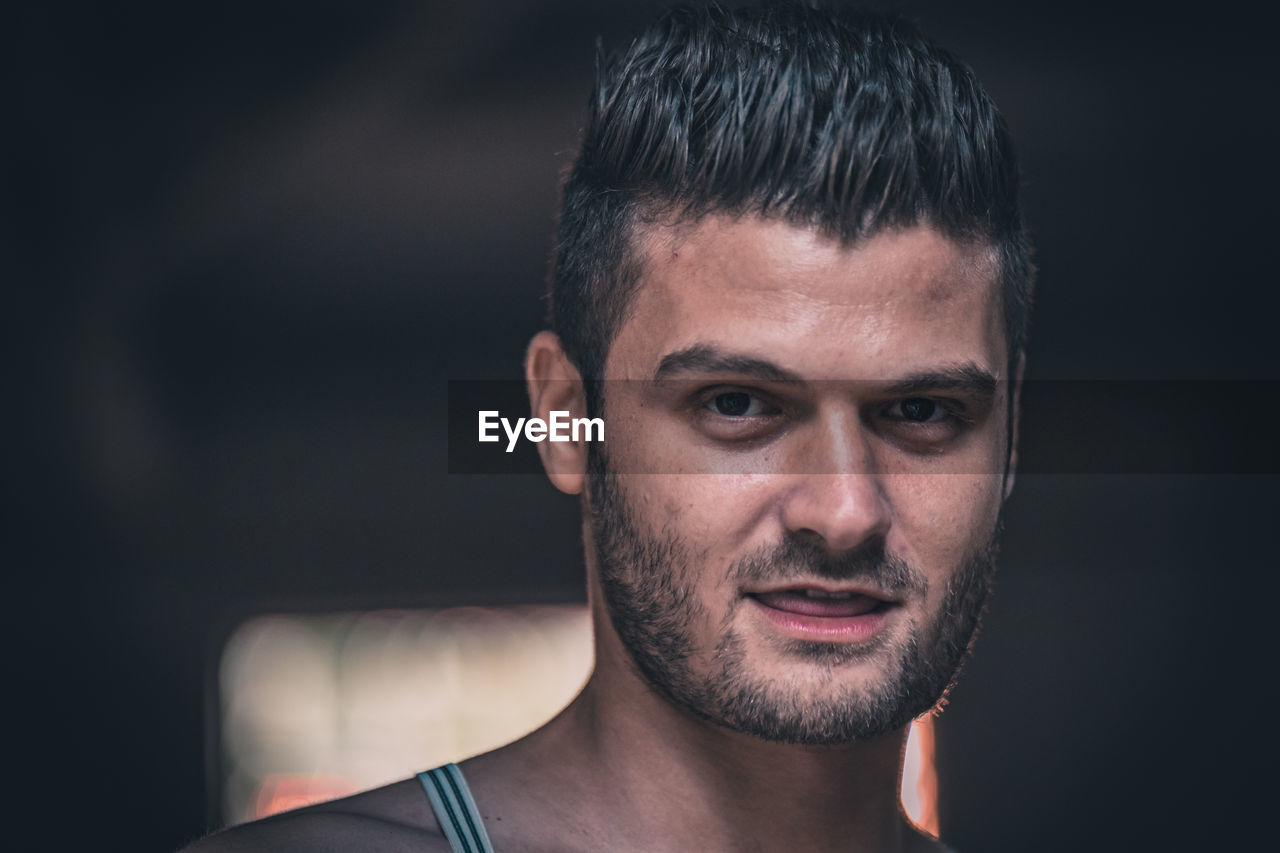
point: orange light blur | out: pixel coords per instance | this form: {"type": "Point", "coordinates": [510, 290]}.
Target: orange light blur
{"type": "Point", "coordinates": [281, 792]}
{"type": "Point", "coordinates": [920, 777]}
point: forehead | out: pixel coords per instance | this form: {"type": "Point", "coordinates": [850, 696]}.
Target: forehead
{"type": "Point", "coordinates": [900, 301]}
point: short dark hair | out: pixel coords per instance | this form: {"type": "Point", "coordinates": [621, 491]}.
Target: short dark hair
{"type": "Point", "coordinates": [849, 122]}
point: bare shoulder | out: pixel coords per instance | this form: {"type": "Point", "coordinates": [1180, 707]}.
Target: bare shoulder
{"type": "Point", "coordinates": [392, 818]}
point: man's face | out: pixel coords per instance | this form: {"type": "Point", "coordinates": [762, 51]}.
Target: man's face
{"type": "Point", "coordinates": [794, 526]}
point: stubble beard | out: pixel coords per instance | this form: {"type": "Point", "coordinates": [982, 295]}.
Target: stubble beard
{"type": "Point", "coordinates": [647, 581]}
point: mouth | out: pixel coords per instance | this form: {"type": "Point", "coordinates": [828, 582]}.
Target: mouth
{"type": "Point", "coordinates": [824, 614]}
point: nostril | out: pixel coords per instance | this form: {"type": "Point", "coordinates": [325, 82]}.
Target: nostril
{"type": "Point", "coordinates": [841, 511]}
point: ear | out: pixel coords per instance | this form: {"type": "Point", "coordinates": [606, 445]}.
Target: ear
{"type": "Point", "coordinates": [1015, 418]}
{"type": "Point", "coordinates": [555, 385]}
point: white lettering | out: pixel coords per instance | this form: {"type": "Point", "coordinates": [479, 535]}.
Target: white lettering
{"type": "Point", "coordinates": [560, 428]}
{"type": "Point", "coordinates": [559, 423]}
{"type": "Point", "coordinates": [512, 434]}
{"type": "Point", "coordinates": [486, 424]}
{"type": "Point", "coordinates": [589, 424]}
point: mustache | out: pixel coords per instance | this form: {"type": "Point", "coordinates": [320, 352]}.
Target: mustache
{"type": "Point", "coordinates": [867, 564]}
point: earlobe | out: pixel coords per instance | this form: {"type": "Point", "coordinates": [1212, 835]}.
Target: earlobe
{"type": "Point", "coordinates": [554, 384]}
{"type": "Point", "coordinates": [1015, 416]}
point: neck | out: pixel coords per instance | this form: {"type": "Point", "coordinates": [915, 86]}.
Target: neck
{"type": "Point", "coordinates": [636, 767]}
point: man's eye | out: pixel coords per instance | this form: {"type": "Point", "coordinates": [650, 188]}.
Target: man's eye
{"type": "Point", "coordinates": [925, 424]}
{"type": "Point", "coordinates": [738, 404]}
{"type": "Point", "coordinates": [918, 410]}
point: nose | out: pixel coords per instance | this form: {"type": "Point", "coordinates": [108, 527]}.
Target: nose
{"type": "Point", "coordinates": [839, 497]}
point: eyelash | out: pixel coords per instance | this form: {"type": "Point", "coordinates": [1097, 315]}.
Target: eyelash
{"type": "Point", "coordinates": [949, 410]}
{"type": "Point", "coordinates": [949, 416]}
{"type": "Point", "coordinates": [709, 402]}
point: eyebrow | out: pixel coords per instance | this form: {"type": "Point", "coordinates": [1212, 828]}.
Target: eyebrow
{"type": "Point", "coordinates": [707, 359]}
{"type": "Point", "coordinates": [965, 378]}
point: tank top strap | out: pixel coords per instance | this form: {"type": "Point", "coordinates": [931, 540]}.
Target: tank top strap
{"type": "Point", "coordinates": [455, 810]}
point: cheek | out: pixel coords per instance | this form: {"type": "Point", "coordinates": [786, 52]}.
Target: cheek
{"type": "Point", "coordinates": [634, 439]}
{"type": "Point", "coordinates": [649, 452]}
{"type": "Point", "coordinates": [707, 519]}
{"type": "Point", "coordinates": [711, 513]}
{"type": "Point", "coordinates": [941, 518]}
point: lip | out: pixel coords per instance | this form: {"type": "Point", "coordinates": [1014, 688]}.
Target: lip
{"type": "Point", "coordinates": [822, 620]}
{"type": "Point", "coordinates": [828, 589]}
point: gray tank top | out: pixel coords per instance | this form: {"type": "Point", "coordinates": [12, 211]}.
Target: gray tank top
{"type": "Point", "coordinates": [455, 810]}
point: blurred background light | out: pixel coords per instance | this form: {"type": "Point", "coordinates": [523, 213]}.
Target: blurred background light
{"type": "Point", "coordinates": [319, 706]}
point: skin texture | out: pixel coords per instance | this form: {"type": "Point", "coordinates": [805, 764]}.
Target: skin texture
{"type": "Point", "coordinates": [827, 471]}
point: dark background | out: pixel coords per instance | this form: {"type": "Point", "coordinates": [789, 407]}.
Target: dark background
{"type": "Point", "coordinates": [252, 242]}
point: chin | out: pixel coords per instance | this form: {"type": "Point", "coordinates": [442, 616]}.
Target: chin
{"type": "Point", "coordinates": [831, 694]}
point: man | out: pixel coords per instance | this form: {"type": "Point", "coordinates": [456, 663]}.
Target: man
{"type": "Point", "coordinates": [793, 280]}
